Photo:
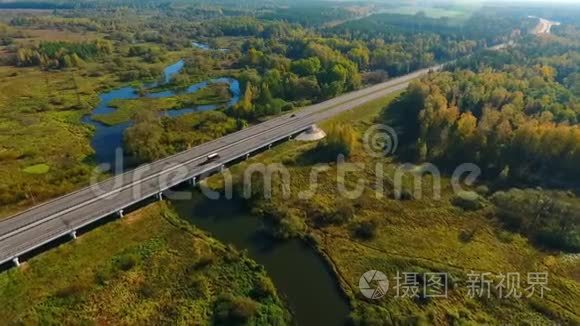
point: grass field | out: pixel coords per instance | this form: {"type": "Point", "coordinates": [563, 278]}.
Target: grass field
{"type": "Point", "coordinates": [40, 120]}
{"type": "Point", "coordinates": [432, 12]}
{"type": "Point", "coordinates": [46, 35]}
{"type": "Point", "coordinates": [421, 235]}
{"type": "Point", "coordinates": [148, 268]}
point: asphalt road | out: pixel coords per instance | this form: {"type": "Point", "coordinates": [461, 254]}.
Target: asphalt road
{"type": "Point", "coordinates": [51, 220]}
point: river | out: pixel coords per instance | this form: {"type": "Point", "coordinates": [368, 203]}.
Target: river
{"type": "Point", "coordinates": [108, 140]}
{"type": "Point", "coordinates": [298, 271]}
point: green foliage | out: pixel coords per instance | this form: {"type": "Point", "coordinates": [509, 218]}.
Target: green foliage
{"type": "Point", "coordinates": [257, 102]}
{"type": "Point", "coordinates": [498, 119]}
{"type": "Point", "coordinates": [338, 214]}
{"type": "Point", "coordinates": [286, 223]}
{"type": "Point", "coordinates": [148, 53]}
{"type": "Point", "coordinates": [402, 43]}
{"type": "Point", "coordinates": [468, 200]}
{"type": "Point", "coordinates": [310, 14]}
{"type": "Point", "coordinates": [139, 270]}
{"type": "Point", "coordinates": [545, 218]}
{"type": "Point", "coordinates": [152, 137]}
{"type": "Point", "coordinates": [144, 138]}
{"type": "Point", "coordinates": [341, 139]}
{"type": "Point", "coordinates": [365, 230]}
{"type": "Point", "coordinates": [306, 67]}
{"type": "Point", "coordinates": [61, 54]}
{"type": "Point", "coordinates": [230, 310]}
{"type": "Point", "coordinates": [319, 70]}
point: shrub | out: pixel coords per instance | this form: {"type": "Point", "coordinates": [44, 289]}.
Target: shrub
{"type": "Point", "coordinates": [340, 139]}
{"type": "Point", "coordinates": [127, 261]}
{"type": "Point", "coordinates": [466, 235]}
{"type": "Point", "coordinates": [542, 216]}
{"type": "Point", "coordinates": [289, 227]}
{"type": "Point", "coordinates": [70, 292]}
{"type": "Point", "coordinates": [230, 309]}
{"type": "Point", "coordinates": [468, 200]}
{"type": "Point", "coordinates": [264, 288]}
{"type": "Point", "coordinates": [342, 213]}
{"type": "Point", "coordinates": [365, 230]}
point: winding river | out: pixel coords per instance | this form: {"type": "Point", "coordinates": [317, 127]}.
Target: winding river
{"type": "Point", "coordinates": [301, 275]}
{"type": "Point", "coordinates": [108, 140]}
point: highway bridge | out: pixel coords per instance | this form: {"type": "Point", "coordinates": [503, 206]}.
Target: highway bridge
{"type": "Point", "coordinates": [63, 216]}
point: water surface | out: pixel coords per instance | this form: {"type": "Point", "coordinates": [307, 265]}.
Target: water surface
{"type": "Point", "coordinates": [299, 273]}
{"type": "Point", "coordinates": [107, 140]}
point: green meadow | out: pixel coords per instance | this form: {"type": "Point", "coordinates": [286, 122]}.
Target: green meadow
{"type": "Point", "coordinates": [150, 267]}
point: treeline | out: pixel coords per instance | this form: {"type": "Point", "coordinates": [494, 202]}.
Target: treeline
{"type": "Point", "coordinates": [517, 125]}
{"type": "Point", "coordinates": [402, 43]}
{"type": "Point", "coordinates": [61, 54]}
{"type": "Point", "coordinates": [561, 54]}
{"type": "Point", "coordinates": [36, 5]}
{"type": "Point", "coordinates": [293, 70]}
{"type": "Point", "coordinates": [310, 15]}
{"type": "Point", "coordinates": [48, 22]}
{"type": "Point", "coordinates": [486, 28]}
{"type": "Point", "coordinates": [248, 26]}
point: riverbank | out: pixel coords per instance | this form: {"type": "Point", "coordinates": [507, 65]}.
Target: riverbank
{"type": "Point", "coordinates": [412, 236]}
{"type": "Point", "coordinates": [310, 290]}
{"type": "Point", "coordinates": [149, 267]}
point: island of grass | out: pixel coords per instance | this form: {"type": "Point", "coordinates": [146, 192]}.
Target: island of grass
{"type": "Point", "coordinates": [149, 268]}
{"type": "Point", "coordinates": [213, 94]}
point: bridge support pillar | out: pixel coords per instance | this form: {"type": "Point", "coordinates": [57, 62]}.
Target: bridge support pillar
{"type": "Point", "coordinates": [269, 146]}
{"type": "Point", "coordinates": [222, 168]}
{"type": "Point", "coordinates": [16, 261]}
{"type": "Point", "coordinates": [121, 213]}
{"type": "Point", "coordinates": [73, 235]}
{"type": "Point", "coordinates": [160, 196]}
{"type": "Point", "coordinates": [193, 181]}
{"type": "Point", "coordinates": [290, 137]}
{"type": "Point", "coordinates": [247, 156]}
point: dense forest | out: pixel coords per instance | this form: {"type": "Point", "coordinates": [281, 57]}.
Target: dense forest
{"type": "Point", "coordinates": [514, 113]}
{"type": "Point", "coordinates": [496, 108]}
